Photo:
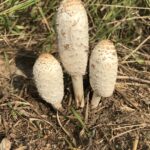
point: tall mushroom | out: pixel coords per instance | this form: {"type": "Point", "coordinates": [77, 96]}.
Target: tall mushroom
{"type": "Point", "coordinates": [103, 70]}
{"type": "Point", "coordinates": [73, 43]}
{"type": "Point", "coordinates": [48, 78]}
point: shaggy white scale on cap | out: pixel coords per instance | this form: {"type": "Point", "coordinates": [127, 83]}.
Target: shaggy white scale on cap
{"type": "Point", "coordinates": [73, 42]}
{"type": "Point", "coordinates": [48, 78]}
{"type": "Point", "coordinates": [73, 37]}
{"type": "Point", "coordinates": [103, 70]}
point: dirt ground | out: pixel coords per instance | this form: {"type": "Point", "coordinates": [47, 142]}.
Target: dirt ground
{"type": "Point", "coordinates": [121, 122]}
{"type": "Point", "coordinates": [30, 123]}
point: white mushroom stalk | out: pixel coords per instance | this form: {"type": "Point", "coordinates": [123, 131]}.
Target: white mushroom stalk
{"type": "Point", "coordinates": [73, 43]}
{"type": "Point", "coordinates": [48, 78]}
{"type": "Point", "coordinates": [103, 70]}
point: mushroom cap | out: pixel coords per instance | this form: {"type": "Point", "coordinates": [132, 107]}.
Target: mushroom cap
{"type": "Point", "coordinates": [5, 144]}
{"type": "Point", "coordinates": [73, 37]}
{"type": "Point", "coordinates": [48, 78]}
{"type": "Point", "coordinates": [103, 68]}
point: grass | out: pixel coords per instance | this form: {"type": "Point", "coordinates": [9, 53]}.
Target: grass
{"type": "Point", "coordinates": [29, 25]}
{"type": "Point", "coordinates": [108, 20]}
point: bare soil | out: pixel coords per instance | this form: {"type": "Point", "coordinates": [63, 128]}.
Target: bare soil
{"type": "Point", "coordinates": [30, 123]}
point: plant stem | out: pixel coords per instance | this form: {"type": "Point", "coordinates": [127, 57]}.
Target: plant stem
{"type": "Point", "coordinates": [77, 82]}
{"type": "Point", "coordinates": [95, 100]}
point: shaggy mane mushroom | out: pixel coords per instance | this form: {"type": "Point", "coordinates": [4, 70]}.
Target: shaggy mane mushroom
{"type": "Point", "coordinates": [73, 43]}
{"type": "Point", "coordinates": [48, 78]}
{"type": "Point", "coordinates": [103, 70]}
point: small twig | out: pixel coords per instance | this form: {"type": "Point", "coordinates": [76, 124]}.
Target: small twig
{"type": "Point", "coordinates": [5, 39]}
{"type": "Point", "coordinates": [122, 126]}
{"type": "Point", "coordinates": [146, 56]}
{"type": "Point", "coordinates": [144, 62]}
{"type": "Point", "coordinates": [29, 42]}
{"type": "Point", "coordinates": [121, 6]}
{"type": "Point", "coordinates": [138, 47]}
{"type": "Point", "coordinates": [42, 120]}
{"type": "Point", "coordinates": [86, 115]}
{"type": "Point", "coordinates": [44, 19]}
{"type": "Point", "coordinates": [22, 148]}
{"type": "Point", "coordinates": [66, 132]}
{"type": "Point", "coordinates": [132, 84]}
{"type": "Point", "coordinates": [134, 79]}
{"type": "Point", "coordinates": [87, 109]}
{"type": "Point", "coordinates": [135, 143]}
{"type": "Point", "coordinates": [128, 19]}
{"type": "Point", "coordinates": [70, 100]}
{"type": "Point", "coordinates": [126, 99]}
{"type": "Point", "coordinates": [123, 133]}
{"type": "Point", "coordinates": [2, 3]}
{"type": "Point", "coordinates": [130, 126]}
{"type": "Point", "coordinates": [15, 102]}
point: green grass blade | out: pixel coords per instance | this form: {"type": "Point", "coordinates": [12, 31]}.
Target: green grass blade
{"type": "Point", "coordinates": [20, 6]}
{"type": "Point", "coordinates": [78, 117]}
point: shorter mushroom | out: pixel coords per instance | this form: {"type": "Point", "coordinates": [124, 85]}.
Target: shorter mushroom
{"type": "Point", "coordinates": [103, 70]}
{"type": "Point", "coordinates": [48, 76]}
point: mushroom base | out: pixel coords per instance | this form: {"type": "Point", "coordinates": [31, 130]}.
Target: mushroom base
{"type": "Point", "coordinates": [95, 100]}
{"type": "Point", "coordinates": [77, 82]}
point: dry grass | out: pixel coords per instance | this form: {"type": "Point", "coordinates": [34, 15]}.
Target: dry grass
{"type": "Point", "coordinates": [121, 122]}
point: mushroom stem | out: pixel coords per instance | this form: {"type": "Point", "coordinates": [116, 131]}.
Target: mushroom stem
{"type": "Point", "coordinates": [77, 82]}
{"type": "Point", "coordinates": [95, 100]}
{"type": "Point", "coordinates": [59, 107]}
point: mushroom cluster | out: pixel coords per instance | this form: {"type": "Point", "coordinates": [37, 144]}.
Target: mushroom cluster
{"type": "Point", "coordinates": [73, 47]}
